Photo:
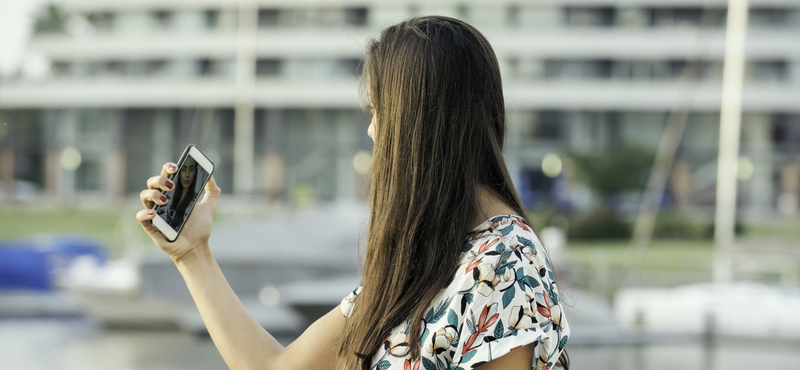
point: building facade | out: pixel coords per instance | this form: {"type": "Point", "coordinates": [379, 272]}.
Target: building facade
{"type": "Point", "coordinates": [269, 89]}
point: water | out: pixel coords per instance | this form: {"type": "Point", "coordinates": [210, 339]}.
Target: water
{"type": "Point", "coordinates": [67, 344]}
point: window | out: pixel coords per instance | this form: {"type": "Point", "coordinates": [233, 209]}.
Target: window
{"type": "Point", "coordinates": [711, 71]}
{"type": "Point", "coordinates": [688, 17]}
{"type": "Point", "coordinates": [211, 18]}
{"type": "Point", "coordinates": [268, 67]}
{"type": "Point", "coordinates": [767, 17]}
{"type": "Point", "coordinates": [355, 16]}
{"type": "Point", "coordinates": [793, 18]}
{"type": "Point", "coordinates": [94, 68]}
{"type": "Point", "coordinates": [205, 67]}
{"type": "Point", "coordinates": [634, 17]}
{"type": "Point", "coordinates": [61, 68]}
{"type": "Point", "coordinates": [590, 17]}
{"type": "Point", "coordinates": [347, 67]}
{"type": "Point", "coordinates": [136, 68]}
{"type": "Point", "coordinates": [115, 67]}
{"type": "Point", "coordinates": [785, 131]}
{"type": "Point", "coordinates": [163, 18]}
{"type": "Point", "coordinates": [545, 125]}
{"type": "Point", "coordinates": [512, 15]}
{"type": "Point", "coordinates": [578, 69]}
{"type": "Point", "coordinates": [463, 12]}
{"type": "Point", "coordinates": [769, 70]}
{"type": "Point", "coordinates": [268, 17]}
{"type": "Point", "coordinates": [621, 70]}
{"type": "Point", "coordinates": [155, 67]}
{"type": "Point", "coordinates": [102, 21]}
{"type": "Point", "coordinates": [312, 17]}
{"type": "Point", "coordinates": [675, 68]}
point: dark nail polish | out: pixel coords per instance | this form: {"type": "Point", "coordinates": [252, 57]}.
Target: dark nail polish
{"type": "Point", "coordinates": [164, 198]}
{"type": "Point", "coordinates": [170, 184]}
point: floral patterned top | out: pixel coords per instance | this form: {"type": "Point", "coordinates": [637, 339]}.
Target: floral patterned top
{"type": "Point", "coordinates": [502, 296]}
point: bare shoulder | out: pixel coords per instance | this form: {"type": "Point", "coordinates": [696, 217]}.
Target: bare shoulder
{"type": "Point", "coordinates": [317, 347]}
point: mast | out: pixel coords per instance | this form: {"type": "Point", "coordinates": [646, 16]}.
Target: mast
{"type": "Point", "coordinates": [729, 133]}
{"type": "Point", "coordinates": [243, 130]}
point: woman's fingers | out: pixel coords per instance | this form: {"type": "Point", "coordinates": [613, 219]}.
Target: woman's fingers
{"type": "Point", "coordinates": [168, 169]}
{"type": "Point", "coordinates": [212, 192]}
{"type": "Point", "coordinates": [157, 184]}
{"type": "Point", "coordinates": [160, 182]}
{"type": "Point", "coordinates": [151, 197]}
{"type": "Point", "coordinates": [212, 188]}
{"type": "Point", "coordinates": [144, 217]}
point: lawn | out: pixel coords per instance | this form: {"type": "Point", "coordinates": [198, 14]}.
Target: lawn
{"type": "Point", "coordinates": [117, 227]}
{"type": "Point", "coordinates": [113, 226]}
{"type": "Point", "coordinates": [668, 255]}
{"type": "Point", "coordinates": [104, 226]}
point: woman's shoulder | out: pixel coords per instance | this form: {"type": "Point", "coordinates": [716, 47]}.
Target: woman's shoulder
{"type": "Point", "coordinates": [499, 237]}
{"type": "Point", "coordinates": [502, 251]}
{"type": "Point", "coordinates": [502, 295]}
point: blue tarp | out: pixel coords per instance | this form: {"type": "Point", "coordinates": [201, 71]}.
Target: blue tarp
{"type": "Point", "coordinates": [24, 269]}
{"type": "Point", "coordinates": [33, 264]}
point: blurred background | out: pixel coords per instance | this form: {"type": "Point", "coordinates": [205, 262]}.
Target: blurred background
{"type": "Point", "coordinates": [614, 111]}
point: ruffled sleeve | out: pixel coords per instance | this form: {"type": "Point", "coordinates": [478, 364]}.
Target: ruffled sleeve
{"type": "Point", "coordinates": [514, 302]}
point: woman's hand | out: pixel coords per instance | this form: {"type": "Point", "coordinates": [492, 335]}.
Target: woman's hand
{"type": "Point", "coordinates": [197, 229]}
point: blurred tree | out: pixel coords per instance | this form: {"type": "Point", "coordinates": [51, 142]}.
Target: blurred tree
{"type": "Point", "coordinates": [609, 173]}
{"type": "Point", "coordinates": [614, 171]}
{"type": "Point", "coordinates": [51, 19]}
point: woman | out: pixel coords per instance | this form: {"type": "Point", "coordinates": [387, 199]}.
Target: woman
{"type": "Point", "coordinates": [453, 275]}
{"type": "Point", "coordinates": [183, 193]}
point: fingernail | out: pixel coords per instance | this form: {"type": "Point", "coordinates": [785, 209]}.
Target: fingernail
{"type": "Point", "coordinates": [164, 198]}
{"type": "Point", "coordinates": [172, 167]}
{"type": "Point", "coordinates": [170, 184]}
{"type": "Point", "coordinates": [151, 212]}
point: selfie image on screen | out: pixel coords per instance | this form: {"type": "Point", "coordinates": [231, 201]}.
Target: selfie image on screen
{"type": "Point", "coordinates": [188, 185]}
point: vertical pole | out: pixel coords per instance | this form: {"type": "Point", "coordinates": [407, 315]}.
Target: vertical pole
{"type": "Point", "coordinates": [7, 149]}
{"type": "Point", "coordinates": [115, 162]}
{"type": "Point", "coordinates": [243, 107]}
{"type": "Point", "coordinates": [53, 177]}
{"type": "Point", "coordinates": [729, 129]}
{"type": "Point", "coordinates": [68, 137]}
{"type": "Point", "coordinates": [163, 141]}
{"type": "Point", "coordinates": [757, 133]}
{"type": "Point", "coordinates": [274, 161]}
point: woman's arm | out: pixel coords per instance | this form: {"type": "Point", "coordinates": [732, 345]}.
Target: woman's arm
{"type": "Point", "coordinates": [241, 341]}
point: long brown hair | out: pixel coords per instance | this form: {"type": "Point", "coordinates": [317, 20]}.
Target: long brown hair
{"type": "Point", "coordinates": [434, 83]}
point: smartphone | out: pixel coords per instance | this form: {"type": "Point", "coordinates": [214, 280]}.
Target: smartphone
{"type": "Point", "coordinates": [194, 170]}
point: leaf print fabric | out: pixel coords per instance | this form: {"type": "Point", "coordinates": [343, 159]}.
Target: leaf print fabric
{"type": "Point", "coordinates": [502, 296]}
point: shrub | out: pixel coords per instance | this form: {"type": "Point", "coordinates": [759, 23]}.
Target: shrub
{"type": "Point", "coordinates": [598, 224]}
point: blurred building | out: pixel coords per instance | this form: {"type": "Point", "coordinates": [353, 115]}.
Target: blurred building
{"type": "Point", "coordinates": [128, 84]}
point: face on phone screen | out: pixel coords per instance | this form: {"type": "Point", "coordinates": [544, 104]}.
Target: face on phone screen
{"type": "Point", "coordinates": [189, 183]}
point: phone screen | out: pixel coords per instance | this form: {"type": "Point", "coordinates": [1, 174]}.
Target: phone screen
{"type": "Point", "coordinates": [189, 182]}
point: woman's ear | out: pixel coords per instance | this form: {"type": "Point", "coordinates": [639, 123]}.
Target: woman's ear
{"type": "Point", "coordinates": [371, 129]}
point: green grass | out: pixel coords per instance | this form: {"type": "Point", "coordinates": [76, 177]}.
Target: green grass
{"type": "Point", "coordinates": [101, 225]}
{"type": "Point", "coordinates": [669, 255]}
{"type": "Point", "coordinates": [788, 229]}
{"type": "Point", "coordinates": [114, 227]}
